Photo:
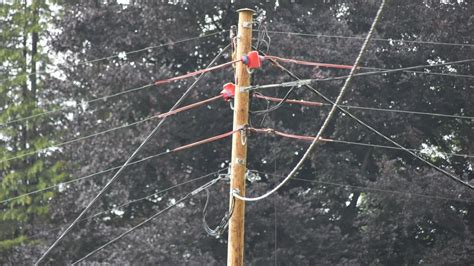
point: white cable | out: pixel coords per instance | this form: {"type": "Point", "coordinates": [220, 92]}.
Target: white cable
{"type": "Point", "coordinates": [328, 118]}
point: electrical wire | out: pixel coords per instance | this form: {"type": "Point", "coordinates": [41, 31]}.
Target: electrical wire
{"type": "Point", "coordinates": [388, 71]}
{"type": "Point", "coordinates": [319, 104]}
{"type": "Point", "coordinates": [309, 87]}
{"type": "Point", "coordinates": [275, 107]}
{"type": "Point", "coordinates": [374, 39]}
{"type": "Point", "coordinates": [338, 66]}
{"type": "Point", "coordinates": [64, 108]}
{"type": "Point", "coordinates": [272, 131]}
{"type": "Point", "coordinates": [197, 72]}
{"type": "Point", "coordinates": [306, 63]}
{"type": "Point", "coordinates": [303, 82]}
{"type": "Point", "coordinates": [364, 188]}
{"type": "Point", "coordinates": [187, 196]}
{"type": "Point", "coordinates": [137, 200]}
{"type": "Point", "coordinates": [223, 224]}
{"type": "Point", "coordinates": [160, 116]}
{"type": "Point", "coordinates": [132, 156]}
{"type": "Point", "coordinates": [329, 116]}
{"type": "Point", "coordinates": [127, 53]}
{"type": "Point", "coordinates": [106, 97]}
{"type": "Point", "coordinates": [180, 148]}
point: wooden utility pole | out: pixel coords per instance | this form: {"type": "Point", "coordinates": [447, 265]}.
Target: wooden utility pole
{"type": "Point", "coordinates": [235, 249]}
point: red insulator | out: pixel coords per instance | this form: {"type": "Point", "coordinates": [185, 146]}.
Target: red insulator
{"type": "Point", "coordinates": [229, 91]}
{"type": "Point", "coordinates": [252, 60]}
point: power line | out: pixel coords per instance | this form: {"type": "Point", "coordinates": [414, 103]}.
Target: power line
{"type": "Point", "coordinates": [62, 109]}
{"type": "Point", "coordinates": [310, 138]}
{"type": "Point", "coordinates": [338, 66]}
{"type": "Point", "coordinates": [362, 188]}
{"type": "Point", "coordinates": [132, 156]}
{"type": "Point", "coordinates": [126, 125]}
{"type": "Point", "coordinates": [304, 82]}
{"type": "Point", "coordinates": [319, 104]}
{"type": "Point", "coordinates": [187, 196]}
{"type": "Point", "coordinates": [106, 97]}
{"type": "Point", "coordinates": [330, 114]}
{"type": "Point", "coordinates": [308, 86]}
{"type": "Point", "coordinates": [387, 71]}
{"type": "Point", "coordinates": [127, 53]}
{"type": "Point", "coordinates": [80, 217]}
{"type": "Point", "coordinates": [57, 145]}
{"type": "Point", "coordinates": [140, 199]}
{"type": "Point", "coordinates": [180, 148]}
{"type": "Point", "coordinates": [406, 112]}
{"type": "Point", "coordinates": [374, 39]}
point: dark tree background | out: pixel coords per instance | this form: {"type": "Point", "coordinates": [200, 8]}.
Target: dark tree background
{"type": "Point", "coordinates": [363, 206]}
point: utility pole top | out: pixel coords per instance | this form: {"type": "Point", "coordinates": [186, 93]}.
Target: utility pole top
{"type": "Point", "coordinates": [246, 9]}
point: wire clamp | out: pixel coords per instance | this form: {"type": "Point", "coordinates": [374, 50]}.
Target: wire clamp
{"type": "Point", "coordinates": [247, 24]}
{"type": "Point", "coordinates": [244, 134]}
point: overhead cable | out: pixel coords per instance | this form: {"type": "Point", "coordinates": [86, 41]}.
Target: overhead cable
{"type": "Point", "coordinates": [187, 196]}
{"type": "Point", "coordinates": [129, 160]}
{"type": "Point", "coordinates": [329, 116]}
{"type": "Point", "coordinates": [374, 39]}
{"type": "Point", "coordinates": [303, 82]}
{"type": "Point", "coordinates": [272, 131]}
{"type": "Point", "coordinates": [319, 104]}
{"type": "Point", "coordinates": [138, 199]}
{"type": "Point", "coordinates": [117, 55]}
{"type": "Point", "coordinates": [64, 108]}
{"type": "Point", "coordinates": [373, 189]}
{"type": "Point", "coordinates": [180, 148]}
{"type": "Point", "coordinates": [126, 125]}
{"type": "Point", "coordinates": [446, 173]}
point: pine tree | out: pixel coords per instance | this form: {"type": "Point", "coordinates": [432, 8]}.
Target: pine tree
{"type": "Point", "coordinates": [22, 95]}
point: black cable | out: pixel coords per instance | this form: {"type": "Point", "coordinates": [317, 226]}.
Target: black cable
{"type": "Point", "coordinates": [220, 228]}
{"type": "Point", "coordinates": [114, 178]}
{"type": "Point", "coordinates": [191, 194]}
{"type": "Point", "coordinates": [276, 106]}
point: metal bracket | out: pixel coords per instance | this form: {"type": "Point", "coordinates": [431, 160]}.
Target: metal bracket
{"type": "Point", "coordinates": [240, 161]}
{"type": "Point", "coordinates": [247, 24]}
{"type": "Point", "coordinates": [298, 83]}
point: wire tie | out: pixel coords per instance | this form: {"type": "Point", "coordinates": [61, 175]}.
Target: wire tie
{"type": "Point", "coordinates": [235, 191]}
{"type": "Point", "coordinates": [243, 135]}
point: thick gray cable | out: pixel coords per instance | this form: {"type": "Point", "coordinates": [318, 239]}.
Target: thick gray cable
{"type": "Point", "coordinates": [109, 183]}
{"type": "Point", "coordinates": [328, 118]}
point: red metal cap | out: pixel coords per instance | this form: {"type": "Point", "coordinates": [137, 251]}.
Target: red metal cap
{"type": "Point", "coordinates": [252, 60]}
{"type": "Point", "coordinates": [228, 92]}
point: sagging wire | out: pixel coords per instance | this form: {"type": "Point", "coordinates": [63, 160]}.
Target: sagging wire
{"type": "Point", "coordinates": [276, 106]}
{"type": "Point", "coordinates": [222, 226]}
{"type": "Point", "coordinates": [262, 31]}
